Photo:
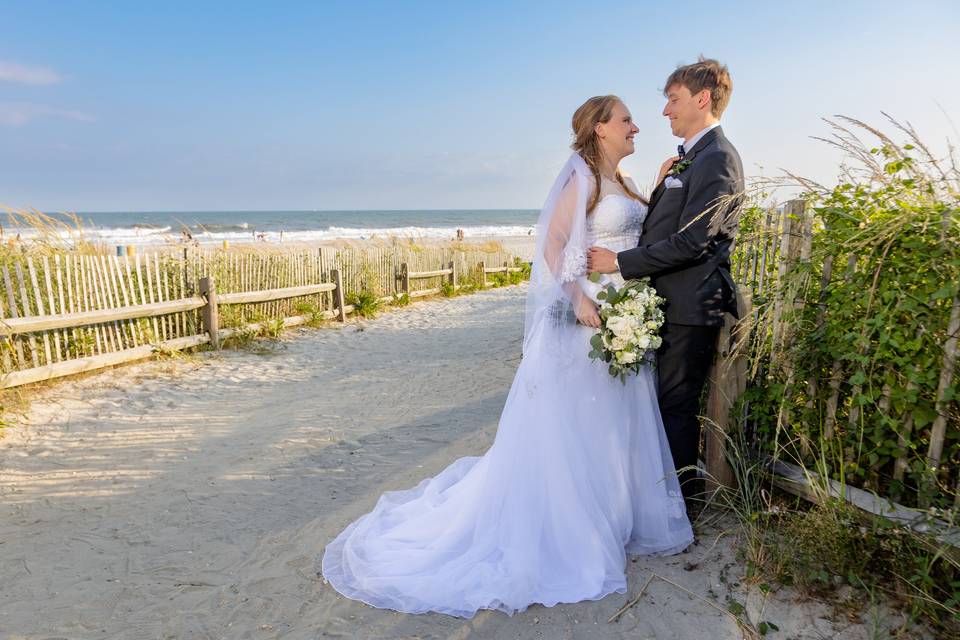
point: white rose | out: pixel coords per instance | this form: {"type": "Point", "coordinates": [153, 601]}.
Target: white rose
{"type": "Point", "coordinates": [614, 323]}
{"type": "Point", "coordinates": [621, 328]}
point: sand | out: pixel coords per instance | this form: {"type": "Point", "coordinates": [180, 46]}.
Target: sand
{"type": "Point", "coordinates": [520, 246]}
{"type": "Point", "coordinates": [192, 498]}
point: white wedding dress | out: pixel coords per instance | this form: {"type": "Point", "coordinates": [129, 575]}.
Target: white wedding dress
{"type": "Point", "coordinates": [578, 476]}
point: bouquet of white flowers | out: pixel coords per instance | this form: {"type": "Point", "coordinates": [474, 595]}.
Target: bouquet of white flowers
{"type": "Point", "coordinates": [630, 321]}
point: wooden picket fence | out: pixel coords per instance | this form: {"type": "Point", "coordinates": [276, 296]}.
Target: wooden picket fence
{"type": "Point", "coordinates": [66, 312]}
{"type": "Point", "coordinates": [762, 261]}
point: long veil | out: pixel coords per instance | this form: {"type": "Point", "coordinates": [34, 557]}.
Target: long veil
{"type": "Point", "coordinates": [558, 280]}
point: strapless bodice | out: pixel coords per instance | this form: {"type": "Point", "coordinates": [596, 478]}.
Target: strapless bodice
{"type": "Point", "coordinates": [616, 222]}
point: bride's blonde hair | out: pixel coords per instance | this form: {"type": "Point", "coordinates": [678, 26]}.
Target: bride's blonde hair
{"type": "Point", "coordinates": [587, 144]}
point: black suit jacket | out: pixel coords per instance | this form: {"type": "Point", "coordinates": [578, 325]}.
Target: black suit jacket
{"type": "Point", "coordinates": [687, 239]}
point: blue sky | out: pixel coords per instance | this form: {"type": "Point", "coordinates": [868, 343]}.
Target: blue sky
{"type": "Point", "coordinates": [336, 105]}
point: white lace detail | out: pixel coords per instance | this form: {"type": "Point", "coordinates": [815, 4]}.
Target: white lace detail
{"type": "Point", "coordinates": [574, 264]}
{"type": "Point", "coordinates": [617, 223]}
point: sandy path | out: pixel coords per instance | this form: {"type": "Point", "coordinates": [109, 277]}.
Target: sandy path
{"type": "Point", "coordinates": [192, 498]}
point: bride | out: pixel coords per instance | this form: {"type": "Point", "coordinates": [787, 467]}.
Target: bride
{"type": "Point", "coordinates": [580, 472]}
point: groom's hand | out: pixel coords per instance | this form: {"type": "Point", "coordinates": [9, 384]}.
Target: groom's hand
{"type": "Point", "coordinates": [602, 260]}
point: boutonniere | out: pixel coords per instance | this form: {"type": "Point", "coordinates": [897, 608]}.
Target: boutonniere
{"type": "Point", "coordinates": [679, 167]}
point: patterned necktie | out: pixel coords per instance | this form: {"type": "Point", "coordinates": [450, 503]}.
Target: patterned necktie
{"type": "Point", "coordinates": [681, 151]}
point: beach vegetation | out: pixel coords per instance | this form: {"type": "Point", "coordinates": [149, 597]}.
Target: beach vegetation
{"type": "Point", "coordinates": [311, 311]}
{"type": "Point", "coordinates": [525, 266]}
{"type": "Point", "coordinates": [46, 234]}
{"type": "Point", "coordinates": [365, 303]}
{"type": "Point", "coordinates": [243, 337]}
{"type": "Point", "coordinates": [499, 279]}
{"type": "Point", "coordinates": [863, 393]}
{"type": "Point", "coordinates": [272, 328]}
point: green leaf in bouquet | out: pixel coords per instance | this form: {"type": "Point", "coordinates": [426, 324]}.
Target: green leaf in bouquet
{"type": "Point", "coordinates": [594, 276]}
{"type": "Point", "coordinates": [602, 295]}
{"type": "Point", "coordinates": [612, 370]}
{"type": "Point", "coordinates": [596, 341]}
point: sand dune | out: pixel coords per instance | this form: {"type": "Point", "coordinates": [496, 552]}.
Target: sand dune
{"type": "Point", "coordinates": [192, 498]}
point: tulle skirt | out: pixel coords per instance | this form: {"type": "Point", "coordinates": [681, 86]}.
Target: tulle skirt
{"type": "Point", "coordinates": [579, 475]}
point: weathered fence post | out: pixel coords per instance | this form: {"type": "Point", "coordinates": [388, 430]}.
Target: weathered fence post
{"type": "Point", "coordinates": [795, 247]}
{"type": "Point", "coordinates": [404, 278]}
{"type": "Point", "coordinates": [210, 313]}
{"type": "Point", "coordinates": [483, 274]}
{"type": "Point", "coordinates": [793, 244]}
{"type": "Point", "coordinates": [453, 274]}
{"type": "Point", "coordinates": [338, 295]}
{"type": "Point", "coordinates": [938, 431]}
{"type": "Point", "coordinates": [727, 382]}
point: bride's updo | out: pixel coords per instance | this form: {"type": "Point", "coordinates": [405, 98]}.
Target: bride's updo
{"type": "Point", "coordinates": [587, 144]}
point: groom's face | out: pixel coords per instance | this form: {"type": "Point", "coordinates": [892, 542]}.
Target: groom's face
{"type": "Point", "coordinates": [684, 110]}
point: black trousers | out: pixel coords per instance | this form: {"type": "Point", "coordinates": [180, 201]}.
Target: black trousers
{"type": "Point", "coordinates": [683, 363]}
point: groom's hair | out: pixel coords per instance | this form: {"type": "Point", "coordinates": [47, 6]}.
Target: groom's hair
{"type": "Point", "coordinates": [705, 73]}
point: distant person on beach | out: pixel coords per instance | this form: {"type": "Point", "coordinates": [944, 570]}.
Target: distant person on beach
{"type": "Point", "coordinates": [580, 473]}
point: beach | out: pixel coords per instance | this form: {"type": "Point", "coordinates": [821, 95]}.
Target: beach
{"type": "Point", "coordinates": [192, 496]}
{"type": "Point", "coordinates": [149, 230]}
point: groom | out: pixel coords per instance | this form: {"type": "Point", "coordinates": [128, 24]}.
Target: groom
{"type": "Point", "coordinates": [685, 250]}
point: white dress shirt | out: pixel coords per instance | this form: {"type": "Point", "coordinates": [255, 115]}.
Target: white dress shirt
{"type": "Point", "coordinates": [689, 144]}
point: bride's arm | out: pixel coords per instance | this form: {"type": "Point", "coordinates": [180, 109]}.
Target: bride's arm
{"type": "Point", "coordinates": [567, 262]}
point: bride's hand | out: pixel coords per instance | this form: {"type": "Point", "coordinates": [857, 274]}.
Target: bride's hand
{"type": "Point", "coordinates": [587, 313]}
{"type": "Point", "coordinates": [665, 168]}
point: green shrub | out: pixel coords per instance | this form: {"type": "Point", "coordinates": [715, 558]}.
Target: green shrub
{"type": "Point", "coordinates": [272, 328]}
{"type": "Point", "coordinates": [314, 314]}
{"type": "Point", "coordinates": [365, 303]}
{"type": "Point", "coordinates": [868, 350]}
{"type": "Point", "coordinates": [499, 279]}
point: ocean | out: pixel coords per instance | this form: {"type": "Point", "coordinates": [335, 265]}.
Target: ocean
{"type": "Point", "coordinates": [154, 227]}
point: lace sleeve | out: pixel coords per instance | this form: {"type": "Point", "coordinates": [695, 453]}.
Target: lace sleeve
{"type": "Point", "coordinates": [574, 264]}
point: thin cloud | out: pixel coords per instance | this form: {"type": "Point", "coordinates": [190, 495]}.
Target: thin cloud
{"type": "Point", "coordinates": [12, 72]}
{"type": "Point", "coordinates": [16, 114]}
